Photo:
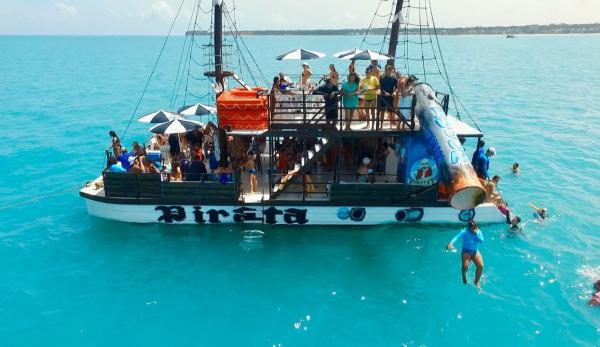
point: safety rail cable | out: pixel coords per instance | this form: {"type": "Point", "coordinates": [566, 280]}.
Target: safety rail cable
{"type": "Point", "coordinates": [162, 49]}
{"type": "Point", "coordinates": [237, 35]}
{"type": "Point", "coordinates": [375, 15]}
{"type": "Point", "coordinates": [455, 97]}
{"type": "Point", "coordinates": [176, 85]}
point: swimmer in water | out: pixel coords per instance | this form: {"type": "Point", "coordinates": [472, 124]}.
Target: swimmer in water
{"type": "Point", "coordinates": [471, 237]}
{"type": "Point", "coordinates": [595, 300]}
{"type": "Point", "coordinates": [515, 169]}
{"type": "Point", "coordinates": [540, 213]}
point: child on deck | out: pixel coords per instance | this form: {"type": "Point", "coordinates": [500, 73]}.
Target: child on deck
{"type": "Point", "coordinates": [251, 166]}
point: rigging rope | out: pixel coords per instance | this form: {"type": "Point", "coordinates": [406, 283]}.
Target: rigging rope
{"type": "Point", "coordinates": [176, 87]}
{"type": "Point", "coordinates": [162, 49]}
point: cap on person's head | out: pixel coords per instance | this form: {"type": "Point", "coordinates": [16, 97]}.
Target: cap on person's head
{"type": "Point", "coordinates": [123, 150]}
{"type": "Point", "coordinates": [366, 161]}
{"type": "Point", "coordinates": [492, 150]}
{"type": "Point", "coordinates": [305, 64]}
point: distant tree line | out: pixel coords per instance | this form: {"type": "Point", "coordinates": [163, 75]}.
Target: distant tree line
{"type": "Point", "coordinates": [497, 30]}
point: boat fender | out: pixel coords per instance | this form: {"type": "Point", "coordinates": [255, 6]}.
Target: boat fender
{"type": "Point", "coordinates": [358, 214]}
{"type": "Point", "coordinates": [410, 215]}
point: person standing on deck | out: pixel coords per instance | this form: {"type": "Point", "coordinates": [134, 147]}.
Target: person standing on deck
{"type": "Point", "coordinates": [352, 67]}
{"type": "Point", "coordinates": [330, 93]}
{"type": "Point", "coordinates": [370, 89]}
{"type": "Point", "coordinates": [305, 77]}
{"type": "Point", "coordinates": [251, 166]}
{"type": "Point", "coordinates": [478, 152]}
{"type": "Point", "coordinates": [349, 94]}
{"type": "Point", "coordinates": [471, 238]}
{"type": "Point", "coordinates": [334, 75]}
{"type": "Point", "coordinates": [115, 143]}
{"type": "Point", "coordinates": [389, 87]}
{"type": "Point", "coordinates": [483, 163]}
{"type": "Point", "coordinates": [375, 70]}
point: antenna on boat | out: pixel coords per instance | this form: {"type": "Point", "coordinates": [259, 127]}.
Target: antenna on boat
{"type": "Point", "coordinates": [395, 31]}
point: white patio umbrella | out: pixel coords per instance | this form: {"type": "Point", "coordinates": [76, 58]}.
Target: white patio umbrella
{"type": "Point", "coordinates": [159, 117]}
{"type": "Point", "coordinates": [175, 126]}
{"type": "Point", "coordinates": [366, 55]}
{"type": "Point", "coordinates": [345, 53]}
{"type": "Point", "coordinates": [301, 54]}
{"type": "Point", "coordinates": [197, 110]}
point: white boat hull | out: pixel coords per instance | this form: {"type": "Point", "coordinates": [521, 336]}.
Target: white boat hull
{"type": "Point", "coordinates": [289, 215]}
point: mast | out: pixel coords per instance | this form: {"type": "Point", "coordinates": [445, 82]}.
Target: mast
{"type": "Point", "coordinates": [395, 31]}
{"type": "Point", "coordinates": [218, 40]}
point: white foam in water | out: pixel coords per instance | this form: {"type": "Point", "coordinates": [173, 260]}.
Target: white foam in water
{"type": "Point", "coordinates": [459, 315]}
{"type": "Point", "coordinates": [307, 317]}
{"type": "Point", "coordinates": [590, 272]}
{"type": "Point", "coordinates": [252, 234]}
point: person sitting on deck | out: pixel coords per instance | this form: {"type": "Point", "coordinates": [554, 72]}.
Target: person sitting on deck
{"type": "Point", "coordinates": [330, 93]}
{"type": "Point", "coordinates": [305, 77]}
{"type": "Point", "coordinates": [389, 86]}
{"type": "Point", "coordinates": [137, 150]}
{"type": "Point", "coordinates": [113, 165]}
{"type": "Point", "coordinates": [364, 174]}
{"type": "Point", "coordinates": [276, 86]}
{"type": "Point", "coordinates": [125, 158]}
{"type": "Point", "coordinates": [491, 192]}
{"type": "Point", "coordinates": [370, 88]}
{"type": "Point", "coordinates": [175, 175]}
{"type": "Point", "coordinates": [225, 171]}
{"type": "Point", "coordinates": [350, 100]}
{"type": "Point", "coordinates": [195, 170]}
{"type": "Point", "coordinates": [284, 81]}
{"type": "Point", "coordinates": [483, 163]}
{"type": "Point", "coordinates": [137, 166]}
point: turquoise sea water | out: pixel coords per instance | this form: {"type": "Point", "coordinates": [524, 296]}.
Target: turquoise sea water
{"type": "Point", "coordinates": [68, 279]}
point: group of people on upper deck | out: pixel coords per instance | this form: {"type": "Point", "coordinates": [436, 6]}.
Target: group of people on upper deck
{"type": "Point", "coordinates": [365, 98]}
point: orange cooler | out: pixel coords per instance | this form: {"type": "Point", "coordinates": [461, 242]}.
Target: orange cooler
{"type": "Point", "coordinates": [242, 109]}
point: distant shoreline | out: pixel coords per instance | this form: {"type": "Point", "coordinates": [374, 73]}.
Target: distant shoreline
{"type": "Point", "coordinates": [550, 29]}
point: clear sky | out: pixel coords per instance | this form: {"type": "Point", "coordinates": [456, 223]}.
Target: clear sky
{"type": "Point", "coordinates": [148, 17]}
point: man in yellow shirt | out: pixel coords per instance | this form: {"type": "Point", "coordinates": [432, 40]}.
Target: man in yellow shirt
{"type": "Point", "coordinates": [370, 88]}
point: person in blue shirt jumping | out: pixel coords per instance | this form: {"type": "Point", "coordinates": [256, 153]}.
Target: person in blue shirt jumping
{"type": "Point", "coordinates": [471, 238]}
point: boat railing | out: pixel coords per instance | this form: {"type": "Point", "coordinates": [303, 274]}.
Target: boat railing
{"type": "Point", "coordinates": [207, 187]}
{"type": "Point", "coordinates": [302, 109]}
{"type": "Point", "coordinates": [319, 185]}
